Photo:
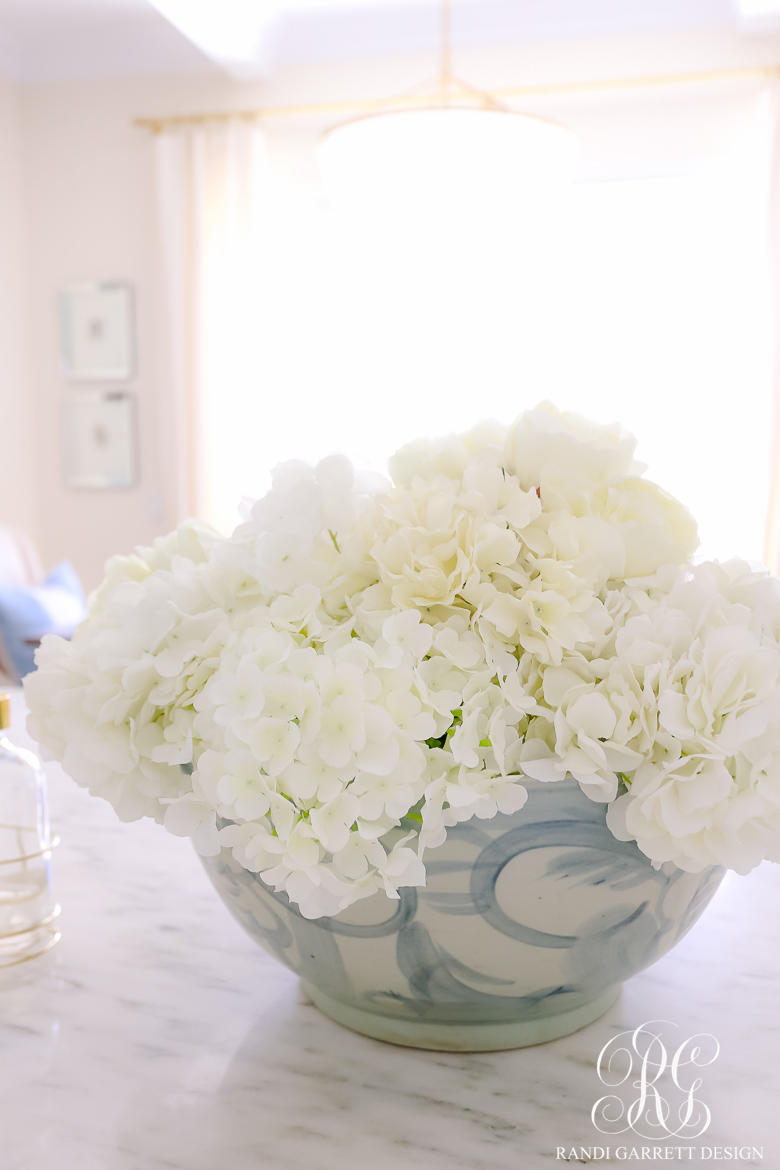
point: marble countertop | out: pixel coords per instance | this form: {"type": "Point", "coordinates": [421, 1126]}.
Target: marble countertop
{"type": "Point", "coordinates": [157, 1036]}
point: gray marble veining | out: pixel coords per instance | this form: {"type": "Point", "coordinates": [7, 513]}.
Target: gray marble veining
{"type": "Point", "coordinates": [157, 1036]}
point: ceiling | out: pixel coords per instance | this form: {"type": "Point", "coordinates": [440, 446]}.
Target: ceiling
{"type": "Point", "coordinates": [52, 40]}
{"type": "Point", "coordinates": [56, 40]}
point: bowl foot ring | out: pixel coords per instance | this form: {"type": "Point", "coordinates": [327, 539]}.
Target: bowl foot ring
{"type": "Point", "coordinates": [465, 1037]}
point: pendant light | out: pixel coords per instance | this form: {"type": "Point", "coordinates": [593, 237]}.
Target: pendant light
{"type": "Point", "coordinates": [445, 148]}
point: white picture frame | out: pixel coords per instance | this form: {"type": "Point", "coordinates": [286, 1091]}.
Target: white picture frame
{"type": "Point", "coordinates": [97, 331]}
{"type": "Point", "coordinates": [99, 439]}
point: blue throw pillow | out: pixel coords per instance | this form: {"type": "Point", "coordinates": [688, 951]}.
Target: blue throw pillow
{"type": "Point", "coordinates": [65, 577]}
{"type": "Point", "coordinates": [28, 612]}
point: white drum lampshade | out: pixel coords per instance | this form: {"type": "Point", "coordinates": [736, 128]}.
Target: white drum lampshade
{"type": "Point", "coordinates": [440, 157]}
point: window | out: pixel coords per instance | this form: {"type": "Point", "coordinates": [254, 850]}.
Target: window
{"type": "Point", "coordinates": [647, 301]}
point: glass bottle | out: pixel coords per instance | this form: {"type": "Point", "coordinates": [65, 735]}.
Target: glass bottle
{"type": "Point", "coordinates": [27, 908]}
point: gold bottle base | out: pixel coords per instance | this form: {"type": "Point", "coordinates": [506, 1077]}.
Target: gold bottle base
{"type": "Point", "coordinates": [41, 937]}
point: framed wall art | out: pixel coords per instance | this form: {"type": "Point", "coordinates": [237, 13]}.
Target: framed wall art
{"type": "Point", "coordinates": [97, 332]}
{"type": "Point", "coordinates": [98, 436]}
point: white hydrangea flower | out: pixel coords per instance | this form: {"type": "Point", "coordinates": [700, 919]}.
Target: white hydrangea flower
{"type": "Point", "coordinates": [365, 664]}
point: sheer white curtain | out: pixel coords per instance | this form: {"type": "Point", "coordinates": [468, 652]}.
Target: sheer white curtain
{"type": "Point", "coordinates": [772, 534]}
{"type": "Point", "coordinates": [210, 179]}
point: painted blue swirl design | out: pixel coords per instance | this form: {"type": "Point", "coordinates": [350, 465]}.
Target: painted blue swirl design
{"type": "Point", "coordinates": [441, 986]}
{"type": "Point", "coordinates": [404, 912]}
{"type": "Point", "coordinates": [246, 903]}
{"type": "Point", "coordinates": [541, 835]}
{"type": "Point", "coordinates": [636, 913]}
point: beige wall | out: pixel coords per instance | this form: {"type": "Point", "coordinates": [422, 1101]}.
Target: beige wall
{"type": "Point", "coordinates": [88, 185]}
{"type": "Point", "coordinates": [17, 466]}
{"type": "Point", "coordinates": [90, 207]}
{"type": "Point", "coordinates": [89, 182]}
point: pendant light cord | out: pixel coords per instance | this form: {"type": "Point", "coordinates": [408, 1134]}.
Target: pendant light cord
{"type": "Point", "coordinates": [445, 51]}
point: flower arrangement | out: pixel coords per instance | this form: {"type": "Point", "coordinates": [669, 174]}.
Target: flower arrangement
{"type": "Point", "coordinates": [518, 603]}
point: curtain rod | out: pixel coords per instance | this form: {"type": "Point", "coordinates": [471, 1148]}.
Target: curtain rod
{"type": "Point", "coordinates": [157, 125]}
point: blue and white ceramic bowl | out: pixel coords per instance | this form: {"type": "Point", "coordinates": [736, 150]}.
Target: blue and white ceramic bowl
{"type": "Point", "coordinates": [527, 927]}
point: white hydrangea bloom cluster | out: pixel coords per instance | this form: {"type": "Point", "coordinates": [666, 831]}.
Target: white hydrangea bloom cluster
{"type": "Point", "coordinates": [360, 655]}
